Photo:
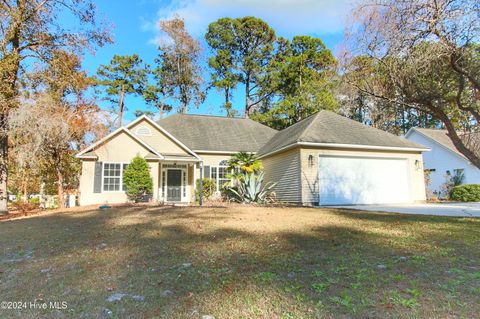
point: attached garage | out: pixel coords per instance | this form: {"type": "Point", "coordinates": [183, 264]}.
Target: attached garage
{"type": "Point", "coordinates": [328, 159]}
{"type": "Point", "coordinates": [363, 180]}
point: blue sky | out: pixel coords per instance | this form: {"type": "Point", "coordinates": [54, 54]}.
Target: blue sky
{"type": "Point", "coordinates": [136, 30]}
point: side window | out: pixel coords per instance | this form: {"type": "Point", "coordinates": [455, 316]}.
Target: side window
{"type": "Point", "coordinates": [222, 174]}
{"type": "Point", "coordinates": [113, 177]}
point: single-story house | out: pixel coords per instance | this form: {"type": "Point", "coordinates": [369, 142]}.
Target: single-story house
{"type": "Point", "coordinates": [444, 160]}
{"type": "Point", "coordinates": [324, 159]}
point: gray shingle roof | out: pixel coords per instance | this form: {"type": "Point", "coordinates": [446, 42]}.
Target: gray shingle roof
{"type": "Point", "coordinates": [331, 128]}
{"type": "Point", "coordinates": [441, 137]}
{"type": "Point", "coordinates": [215, 133]}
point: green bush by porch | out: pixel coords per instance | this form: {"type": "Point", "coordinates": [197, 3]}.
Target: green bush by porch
{"type": "Point", "coordinates": [137, 180]}
{"type": "Point", "coordinates": [209, 187]}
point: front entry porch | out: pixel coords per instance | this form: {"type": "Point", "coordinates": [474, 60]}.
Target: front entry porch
{"type": "Point", "coordinates": [176, 184]}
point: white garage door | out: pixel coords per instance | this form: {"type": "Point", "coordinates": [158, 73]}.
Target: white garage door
{"type": "Point", "coordinates": [354, 180]}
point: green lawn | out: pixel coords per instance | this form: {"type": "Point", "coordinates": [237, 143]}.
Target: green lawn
{"type": "Point", "coordinates": [241, 262]}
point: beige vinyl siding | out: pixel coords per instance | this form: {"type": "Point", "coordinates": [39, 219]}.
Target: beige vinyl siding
{"type": "Point", "coordinates": [211, 160]}
{"type": "Point", "coordinates": [120, 148]}
{"type": "Point", "coordinates": [158, 140]}
{"type": "Point", "coordinates": [88, 197]}
{"type": "Point", "coordinates": [284, 169]}
{"type": "Point", "coordinates": [309, 175]}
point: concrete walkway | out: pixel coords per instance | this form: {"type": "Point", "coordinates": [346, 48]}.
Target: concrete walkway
{"type": "Point", "coordinates": [438, 209]}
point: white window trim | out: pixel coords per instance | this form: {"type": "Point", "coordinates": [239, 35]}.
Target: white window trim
{"type": "Point", "coordinates": [121, 177]}
{"type": "Point", "coordinates": [217, 179]}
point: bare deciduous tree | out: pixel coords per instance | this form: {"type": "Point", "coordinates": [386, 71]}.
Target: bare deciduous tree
{"type": "Point", "coordinates": [47, 133]}
{"type": "Point", "coordinates": [178, 63]}
{"type": "Point", "coordinates": [422, 55]}
{"type": "Point", "coordinates": [29, 31]}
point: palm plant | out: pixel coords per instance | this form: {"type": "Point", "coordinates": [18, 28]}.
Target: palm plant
{"type": "Point", "coordinates": [244, 162]}
{"type": "Point", "coordinates": [250, 189]}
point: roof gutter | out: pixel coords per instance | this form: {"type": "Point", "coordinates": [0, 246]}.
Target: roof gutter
{"type": "Point", "coordinates": [219, 152]}
{"type": "Point", "coordinates": [86, 156]}
{"type": "Point", "coordinates": [346, 146]}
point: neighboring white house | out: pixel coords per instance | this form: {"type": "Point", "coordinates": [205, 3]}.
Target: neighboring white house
{"type": "Point", "coordinates": [444, 160]}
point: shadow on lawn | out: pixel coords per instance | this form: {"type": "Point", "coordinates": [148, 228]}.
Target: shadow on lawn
{"type": "Point", "coordinates": [216, 268]}
{"type": "Point", "coordinates": [400, 217]}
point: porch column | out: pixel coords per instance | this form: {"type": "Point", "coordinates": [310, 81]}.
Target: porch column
{"type": "Point", "coordinates": [194, 177]}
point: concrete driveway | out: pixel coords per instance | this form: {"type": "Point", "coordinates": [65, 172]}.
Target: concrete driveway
{"type": "Point", "coordinates": [438, 209]}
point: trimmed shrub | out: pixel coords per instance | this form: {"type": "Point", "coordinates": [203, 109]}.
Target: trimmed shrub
{"type": "Point", "coordinates": [209, 188]}
{"type": "Point", "coordinates": [24, 207]}
{"type": "Point", "coordinates": [137, 180]}
{"type": "Point", "coordinates": [466, 193]}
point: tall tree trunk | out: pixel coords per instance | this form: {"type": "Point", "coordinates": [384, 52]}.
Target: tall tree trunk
{"type": "Point", "coordinates": [247, 97]}
{"type": "Point", "coordinates": [227, 102]}
{"type": "Point", "coordinates": [456, 139]}
{"type": "Point", "coordinates": [121, 103]}
{"type": "Point", "coordinates": [10, 76]}
{"type": "Point", "coordinates": [226, 96]}
{"type": "Point", "coordinates": [3, 163]}
{"type": "Point", "coordinates": [162, 106]}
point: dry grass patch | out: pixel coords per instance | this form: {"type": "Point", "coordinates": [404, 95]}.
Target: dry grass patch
{"type": "Point", "coordinates": [241, 262]}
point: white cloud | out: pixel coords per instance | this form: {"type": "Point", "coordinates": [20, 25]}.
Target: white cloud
{"type": "Point", "coordinates": [286, 17]}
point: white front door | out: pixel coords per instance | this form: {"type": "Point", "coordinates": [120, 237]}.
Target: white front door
{"type": "Point", "coordinates": [363, 180]}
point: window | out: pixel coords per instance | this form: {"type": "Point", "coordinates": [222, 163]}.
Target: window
{"type": "Point", "coordinates": [113, 177]}
{"type": "Point", "coordinates": [143, 130]}
{"type": "Point", "coordinates": [219, 174]}
{"type": "Point", "coordinates": [222, 176]}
